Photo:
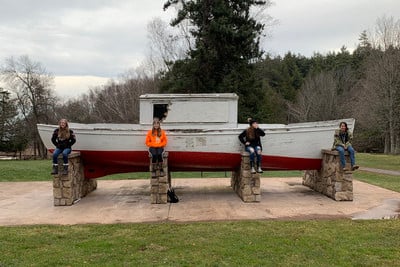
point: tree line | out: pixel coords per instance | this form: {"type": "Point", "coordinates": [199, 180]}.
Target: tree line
{"type": "Point", "coordinates": [216, 48]}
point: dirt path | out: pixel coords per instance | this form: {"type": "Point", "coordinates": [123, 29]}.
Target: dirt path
{"type": "Point", "coordinates": [128, 201]}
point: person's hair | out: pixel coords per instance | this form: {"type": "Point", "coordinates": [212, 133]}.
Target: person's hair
{"type": "Point", "coordinates": [63, 133]}
{"type": "Point", "coordinates": [250, 132]}
{"type": "Point", "coordinates": [345, 124]}
{"type": "Point", "coordinates": [154, 131]}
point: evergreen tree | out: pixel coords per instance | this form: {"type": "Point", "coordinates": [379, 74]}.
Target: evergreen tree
{"type": "Point", "coordinates": [226, 48]}
{"type": "Point", "coordinates": [12, 129]}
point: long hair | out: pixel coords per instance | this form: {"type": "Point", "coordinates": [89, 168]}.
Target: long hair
{"type": "Point", "coordinates": [251, 132]}
{"type": "Point", "coordinates": [63, 133]}
{"type": "Point", "coordinates": [154, 131]}
{"type": "Point", "coordinates": [345, 124]}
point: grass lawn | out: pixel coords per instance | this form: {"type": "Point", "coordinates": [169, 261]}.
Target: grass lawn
{"type": "Point", "coordinates": [241, 243]}
{"type": "Point", "coordinates": [379, 161]}
{"type": "Point", "coordinates": [25, 170]}
{"type": "Point", "coordinates": [246, 243]}
{"type": "Point", "coordinates": [39, 170]}
{"type": "Point", "coordinates": [390, 182]}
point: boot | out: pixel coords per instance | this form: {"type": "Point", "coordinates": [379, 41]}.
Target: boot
{"type": "Point", "coordinates": [153, 170]}
{"type": "Point", "coordinates": [160, 166]}
{"type": "Point", "coordinates": [252, 170]}
{"type": "Point", "coordinates": [259, 170]}
{"type": "Point", "coordinates": [55, 169]}
{"type": "Point", "coordinates": [65, 170]}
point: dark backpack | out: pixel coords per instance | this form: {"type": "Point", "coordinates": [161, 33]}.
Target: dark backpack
{"type": "Point", "coordinates": [173, 198]}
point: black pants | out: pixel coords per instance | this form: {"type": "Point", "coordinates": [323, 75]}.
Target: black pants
{"type": "Point", "coordinates": [156, 154]}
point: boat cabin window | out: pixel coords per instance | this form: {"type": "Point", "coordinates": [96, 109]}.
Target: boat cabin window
{"type": "Point", "coordinates": [160, 111]}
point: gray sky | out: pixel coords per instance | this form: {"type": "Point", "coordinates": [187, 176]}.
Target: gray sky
{"type": "Point", "coordinates": [86, 42]}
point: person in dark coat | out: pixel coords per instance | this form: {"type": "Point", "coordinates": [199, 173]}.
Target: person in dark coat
{"type": "Point", "coordinates": [63, 138]}
{"type": "Point", "coordinates": [251, 139]}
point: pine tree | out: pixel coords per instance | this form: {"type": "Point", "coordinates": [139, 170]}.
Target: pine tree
{"type": "Point", "coordinates": [227, 40]}
{"type": "Point", "coordinates": [226, 48]}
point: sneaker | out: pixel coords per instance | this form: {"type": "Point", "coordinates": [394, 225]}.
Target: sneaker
{"type": "Point", "coordinates": [355, 167]}
{"type": "Point", "coordinates": [259, 170]}
{"type": "Point", "coordinates": [253, 170]}
{"type": "Point", "coordinates": [345, 169]}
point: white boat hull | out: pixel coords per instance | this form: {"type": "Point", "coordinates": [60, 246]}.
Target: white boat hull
{"type": "Point", "coordinates": [116, 148]}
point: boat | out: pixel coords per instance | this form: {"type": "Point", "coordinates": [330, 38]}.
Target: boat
{"type": "Point", "coordinates": [202, 133]}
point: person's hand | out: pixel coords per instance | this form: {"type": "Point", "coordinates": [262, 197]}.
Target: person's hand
{"type": "Point", "coordinates": [247, 143]}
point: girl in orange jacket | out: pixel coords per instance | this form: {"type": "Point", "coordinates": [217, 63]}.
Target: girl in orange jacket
{"type": "Point", "coordinates": [156, 140]}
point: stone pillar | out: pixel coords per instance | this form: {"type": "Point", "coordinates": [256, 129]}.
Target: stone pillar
{"type": "Point", "coordinates": [69, 188]}
{"type": "Point", "coordinates": [331, 180]}
{"type": "Point", "coordinates": [244, 183]}
{"type": "Point", "coordinates": [159, 185]}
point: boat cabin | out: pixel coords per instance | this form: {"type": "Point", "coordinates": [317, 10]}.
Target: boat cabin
{"type": "Point", "coordinates": [190, 110]}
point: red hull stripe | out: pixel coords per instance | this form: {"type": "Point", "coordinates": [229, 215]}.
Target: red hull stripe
{"type": "Point", "coordinates": [101, 163]}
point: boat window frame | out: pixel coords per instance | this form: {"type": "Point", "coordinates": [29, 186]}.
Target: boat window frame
{"type": "Point", "coordinates": [160, 110]}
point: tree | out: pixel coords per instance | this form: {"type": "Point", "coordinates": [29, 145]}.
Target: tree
{"type": "Point", "coordinates": [226, 47]}
{"type": "Point", "coordinates": [317, 99]}
{"type": "Point", "coordinates": [35, 101]}
{"type": "Point", "coordinates": [382, 82]}
{"type": "Point", "coordinates": [8, 113]}
{"type": "Point", "coordinates": [115, 102]}
{"type": "Point", "coordinates": [167, 46]}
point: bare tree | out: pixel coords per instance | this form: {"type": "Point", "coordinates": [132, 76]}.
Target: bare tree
{"type": "Point", "coordinates": [167, 44]}
{"type": "Point", "coordinates": [387, 33]}
{"type": "Point", "coordinates": [32, 85]}
{"type": "Point", "coordinates": [317, 99]}
{"type": "Point", "coordinates": [116, 101]}
{"type": "Point", "coordinates": [382, 81]}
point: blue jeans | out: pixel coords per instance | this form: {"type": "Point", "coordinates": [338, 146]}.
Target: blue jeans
{"type": "Point", "coordinates": [65, 152]}
{"type": "Point", "coordinates": [156, 154]}
{"type": "Point", "coordinates": [254, 151]}
{"type": "Point", "coordinates": [342, 157]}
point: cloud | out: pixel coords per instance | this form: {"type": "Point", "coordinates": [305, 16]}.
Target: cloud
{"type": "Point", "coordinates": [101, 38]}
{"type": "Point", "coordinates": [310, 26]}
{"type": "Point", "coordinates": [75, 86]}
{"type": "Point", "coordinates": [104, 38]}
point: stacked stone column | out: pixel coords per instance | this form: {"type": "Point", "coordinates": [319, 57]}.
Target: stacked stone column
{"type": "Point", "coordinates": [331, 180]}
{"type": "Point", "coordinates": [160, 184]}
{"type": "Point", "coordinates": [69, 188]}
{"type": "Point", "coordinates": [245, 183]}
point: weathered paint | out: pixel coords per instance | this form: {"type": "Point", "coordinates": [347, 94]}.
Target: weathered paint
{"type": "Point", "coordinates": [206, 145]}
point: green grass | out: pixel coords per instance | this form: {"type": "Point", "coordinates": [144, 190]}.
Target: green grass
{"type": "Point", "coordinates": [379, 161]}
{"type": "Point", "coordinates": [25, 170]}
{"type": "Point", "coordinates": [247, 243]}
{"type": "Point", "coordinates": [390, 182]}
{"type": "Point", "coordinates": [39, 170]}
{"type": "Point", "coordinates": [244, 243]}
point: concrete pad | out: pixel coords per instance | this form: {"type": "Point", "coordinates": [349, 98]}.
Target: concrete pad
{"type": "Point", "coordinates": [201, 199]}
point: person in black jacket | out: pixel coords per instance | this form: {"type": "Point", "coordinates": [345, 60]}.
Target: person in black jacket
{"type": "Point", "coordinates": [251, 139]}
{"type": "Point", "coordinates": [63, 138]}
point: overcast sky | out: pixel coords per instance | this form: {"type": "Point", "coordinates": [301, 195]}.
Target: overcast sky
{"type": "Point", "coordinates": [86, 42]}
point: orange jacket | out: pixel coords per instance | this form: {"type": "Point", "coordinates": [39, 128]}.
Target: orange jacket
{"type": "Point", "coordinates": [155, 141]}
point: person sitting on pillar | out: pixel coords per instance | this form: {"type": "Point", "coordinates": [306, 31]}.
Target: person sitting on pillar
{"type": "Point", "coordinates": [156, 140]}
{"type": "Point", "coordinates": [251, 139]}
{"type": "Point", "coordinates": [63, 138]}
{"type": "Point", "coordinates": [342, 142]}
